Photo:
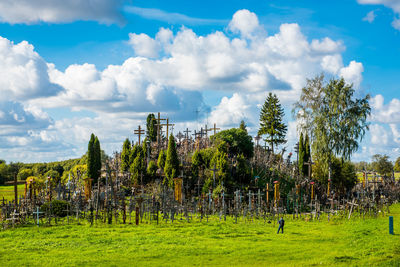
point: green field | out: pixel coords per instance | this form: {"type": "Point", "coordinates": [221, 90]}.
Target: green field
{"type": "Point", "coordinates": [340, 242]}
{"type": "Point", "coordinates": [7, 191]}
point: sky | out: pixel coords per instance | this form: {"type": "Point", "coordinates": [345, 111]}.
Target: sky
{"type": "Point", "coordinates": [70, 68]}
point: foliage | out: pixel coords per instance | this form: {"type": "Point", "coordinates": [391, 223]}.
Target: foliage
{"type": "Point", "coordinates": [91, 168]}
{"type": "Point", "coordinates": [171, 168]}
{"type": "Point", "coordinates": [125, 155]}
{"type": "Point", "coordinates": [54, 177]}
{"type": "Point", "coordinates": [396, 167]}
{"type": "Point", "coordinates": [332, 116]}
{"type": "Point", "coordinates": [344, 176]}
{"type": "Point", "coordinates": [382, 165]}
{"type": "Point", "coordinates": [3, 172]}
{"type": "Point", "coordinates": [243, 170]}
{"type": "Point", "coordinates": [197, 163]}
{"type": "Point", "coordinates": [24, 173]}
{"type": "Point", "coordinates": [96, 159]}
{"type": "Point", "coordinates": [151, 127]}
{"type": "Point", "coordinates": [271, 121]}
{"type": "Point", "coordinates": [237, 140]}
{"type": "Point", "coordinates": [302, 153]}
{"type": "Point", "coordinates": [56, 207]}
{"type": "Point", "coordinates": [243, 126]}
{"type": "Point", "coordinates": [138, 167]}
{"type": "Point", "coordinates": [306, 156]}
{"type": "Point", "coordinates": [162, 156]}
{"type": "Point", "coordinates": [152, 169]}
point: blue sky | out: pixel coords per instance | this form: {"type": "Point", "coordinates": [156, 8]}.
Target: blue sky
{"type": "Point", "coordinates": [70, 68]}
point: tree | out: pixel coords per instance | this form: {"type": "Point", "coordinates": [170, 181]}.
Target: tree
{"type": "Point", "coordinates": [151, 127]}
{"type": "Point", "coordinates": [396, 167]}
{"type": "Point", "coordinates": [24, 173]}
{"type": "Point", "coordinates": [335, 120]}
{"type": "Point", "coordinates": [3, 172]}
{"type": "Point", "coordinates": [271, 117]}
{"type": "Point", "coordinates": [301, 154]}
{"type": "Point", "coordinates": [151, 169]}
{"type": "Point", "coordinates": [238, 141]}
{"type": "Point", "coordinates": [125, 155]}
{"type": "Point", "coordinates": [307, 155]}
{"type": "Point", "coordinates": [161, 159]}
{"type": "Point", "coordinates": [382, 165]}
{"type": "Point", "coordinates": [171, 167]}
{"type": "Point", "coordinates": [197, 162]}
{"type": "Point", "coordinates": [54, 177]}
{"type": "Point", "coordinates": [243, 126]}
{"type": "Point", "coordinates": [138, 166]}
{"type": "Point", "coordinates": [96, 160]}
{"type": "Point", "coordinates": [91, 158]}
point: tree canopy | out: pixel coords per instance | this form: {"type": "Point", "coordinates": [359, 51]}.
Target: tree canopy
{"type": "Point", "coordinates": [271, 121]}
{"type": "Point", "coordinates": [238, 141]}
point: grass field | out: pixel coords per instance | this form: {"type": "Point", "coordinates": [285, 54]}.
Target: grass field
{"type": "Point", "coordinates": [7, 191]}
{"type": "Point", "coordinates": [341, 242]}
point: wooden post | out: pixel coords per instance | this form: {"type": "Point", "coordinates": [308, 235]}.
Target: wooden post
{"type": "Point", "coordinates": [15, 190]}
{"type": "Point", "coordinates": [267, 193]}
{"type": "Point", "coordinates": [312, 190]}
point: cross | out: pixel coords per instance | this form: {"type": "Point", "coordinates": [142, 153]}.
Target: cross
{"type": "Point", "coordinates": [215, 128]}
{"type": "Point", "coordinates": [187, 133]}
{"type": "Point", "coordinates": [257, 138]}
{"type": "Point", "coordinates": [214, 170]}
{"type": "Point", "coordinates": [206, 130]}
{"type": "Point", "coordinates": [180, 136]}
{"type": "Point", "coordinates": [166, 124]}
{"type": "Point", "coordinates": [309, 163]}
{"type": "Point", "coordinates": [139, 132]}
{"type": "Point", "coordinates": [37, 212]}
{"type": "Point", "coordinates": [158, 126]}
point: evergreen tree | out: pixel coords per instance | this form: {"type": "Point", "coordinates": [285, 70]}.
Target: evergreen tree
{"type": "Point", "coordinates": [91, 158]}
{"type": "Point", "coordinates": [161, 159]}
{"type": "Point", "coordinates": [243, 126]}
{"type": "Point", "coordinates": [197, 162]}
{"type": "Point", "coordinates": [307, 155]}
{"type": "Point", "coordinates": [171, 167]}
{"type": "Point", "coordinates": [138, 166]}
{"type": "Point", "coordinates": [125, 155]}
{"type": "Point", "coordinates": [271, 124]}
{"type": "Point", "coordinates": [97, 159]}
{"type": "Point", "coordinates": [151, 127]}
{"type": "Point", "coordinates": [301, 154]}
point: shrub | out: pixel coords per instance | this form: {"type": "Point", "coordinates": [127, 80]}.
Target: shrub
{"type": "Point", "coordinates": [57, 207]}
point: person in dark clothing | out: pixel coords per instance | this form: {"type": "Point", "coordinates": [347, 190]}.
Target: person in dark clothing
{"type": "Point", "coordinates": [281, 224]}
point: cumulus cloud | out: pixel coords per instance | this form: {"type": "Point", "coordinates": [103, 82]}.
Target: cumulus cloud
{"type": "Point", "coordinates": [392, 4]}
{"type": "Point", "coordinates": [58, 11]}
{"type": "Point", "coordinates": [244, 22]}
{"type": "Point", "coordinates": [23, 73]}
{"type": "Point", "coordinates": [385, 113]}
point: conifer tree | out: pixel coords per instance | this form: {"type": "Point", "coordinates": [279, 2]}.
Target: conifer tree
{"type": "Point", "coordinates": [125, 155]}
{"type": "Point", "coordinates": [96, 159]}
{"type": "Point", "coordinates": [243, 126]}
{"type": "Point", "coordinates": [301, 154]}
{"type": "Point", "coordinates": [161, 159]}
{"type": "Point", "coordinates": [151, 127]}
{"type": "Point", "coordinates": [307, 154]}
{"type": "Point", "coordinates": [271, 121]}
{"type": "Point", "coordinates": [171, 167]}
{"type": "Point", "coordinates": [91, 158]}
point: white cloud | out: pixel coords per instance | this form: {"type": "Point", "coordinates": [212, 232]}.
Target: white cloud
{"type": "Point", "coordinates": [352, 73]}
{"type": "Point", "coordinates": [23, 73]}
{"type": "Point", "coordinates": [370, 17]}
{"type": "Point", "coordinates": [57, 11]}
{"type": "Point", "coordinates": [144, 45]}
{"type": "Point", "coordinates": [389, 113]}
{"type": "Point", "coordinates": [392, 4]}
{"type": "Point", "coordinates": [244, 22]}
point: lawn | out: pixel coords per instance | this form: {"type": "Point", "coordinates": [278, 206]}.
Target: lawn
{"type": "Point", "coordinates": [7, 191]}
{"type": "Point", "coordinates": [340, 242]}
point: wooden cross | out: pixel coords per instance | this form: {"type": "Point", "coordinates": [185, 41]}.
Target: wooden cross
{"type": "Point", "coordinates": [215, 128]}
{"type": "Point", "coordinates": [257, 138]}
{"type": "Point", "coordinates": [187, 133]}
{"type": "Point", "coordinates": [158, 124]}
{"type": "Point", "coordinates": [309, 164]}
{"type": "Point", "coordinates": [214, 170]}
{"type": "Point", "coordinates": [206, 130]}
{"type": "Point", "coordinates": [166, 124]}
{"type": "Point", "coordinates": [139, 132]}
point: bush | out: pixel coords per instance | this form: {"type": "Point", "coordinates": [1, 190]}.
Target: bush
{"type": "Point", "coordinates": [57, 207]}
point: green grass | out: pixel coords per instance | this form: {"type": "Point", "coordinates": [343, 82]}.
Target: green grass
{"type": "Point", "coordinates": [7, 191]}
{"type": "Point", "coordinates": [340, 242]}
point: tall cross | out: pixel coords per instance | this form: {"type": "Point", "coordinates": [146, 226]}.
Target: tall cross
{"type": "Point", "coordinates": [166, 124]}
{"type": "Point", "coordinates": [214, 170]}
{"type": "Point", "coordinates": [257, 138]}
{"type": "Point", "coordinates": [187, 133]}
{"type": "Point", "coordinates": [309, 163]}
{"type": "Point", "coordinates": [37, 215]}
{"type": "Point", "coordinates": [158, 126]}
{"type": "Point", "coordinates": [206, 130]}
{"type": "Point", "coordinates": [139, 132]}
{"type": "Point", "coordinates": [215, 128]}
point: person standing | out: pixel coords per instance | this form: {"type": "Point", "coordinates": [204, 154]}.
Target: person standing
{"type": "Point", "coordinates": [281, 224]}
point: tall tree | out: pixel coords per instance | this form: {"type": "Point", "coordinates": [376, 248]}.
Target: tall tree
{"type": "Point", "coordinates": [90, 159]}
{"type": "Point", "coordinates": [97, 159]}
{"type": "Point", "coordinates": [243, 126]}
{"type": "Point", "coordinates": [238, 141]}
{"type": "Point", "coordinates": [307, 155]}
{"type": "Point", "coordinates": [335, 120]}
{"type": "Point", "coordinates": [271, 121]}
{"type": "Point", "coordinates": [301, 154]}
{"type": "Point", "coordinates": [382, 165]}
{"type": "Point", "coordinates": [396, 167]}
{"type": "Point", "coordinates": [125, 155]}
{"type": "Point", "coordinates": [151, 127]}
{"type": "Point", "coordinates": [171, 167]}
